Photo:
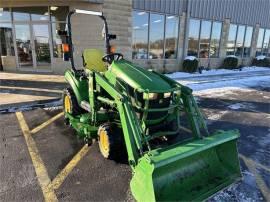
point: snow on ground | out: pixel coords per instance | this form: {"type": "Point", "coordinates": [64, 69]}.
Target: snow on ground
{"type": "Point", "coordinates": [238, 192]}
{"type": "Point", "coordinates": [237, 79]}
{"type": "Point", "coordinates": [241, 106]}
{"type": "Point", "coordinates": [231, 56]}
{"type": "Point", "coordinates": [178, 75]}
{"type": "Point", "coordinates": [242, 83]}
{"type": "Point", "coordinates": [260, 57]}
{"type": "Point", "coordinates": [216, 115]}
{"type": "Point", "coordinates": [221, 92]}
{"type": "Point", "coordinates": [190, 58]}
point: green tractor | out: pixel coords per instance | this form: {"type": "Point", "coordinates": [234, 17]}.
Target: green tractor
{"type": "Point", "coordinates": [152, 119]}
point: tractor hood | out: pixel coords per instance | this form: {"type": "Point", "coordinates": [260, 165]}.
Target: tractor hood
{"type": "Point", "coordinates": [138, 77]}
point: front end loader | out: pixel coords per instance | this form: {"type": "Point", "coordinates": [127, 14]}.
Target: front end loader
{"type": "Point", "coordinates": [152, 119]}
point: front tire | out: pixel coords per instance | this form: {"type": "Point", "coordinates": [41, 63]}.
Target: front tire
{"type": "Point", "coordinates": [110, 141]}
{"type": "Point", "coordinates": [70, 104]}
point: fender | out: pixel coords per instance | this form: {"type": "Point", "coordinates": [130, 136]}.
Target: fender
{"type": "Point", "coordinates": [78, 85]}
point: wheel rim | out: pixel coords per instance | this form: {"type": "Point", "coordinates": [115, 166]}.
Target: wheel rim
{"type": "Point", "coordinates": [67, 104]}
{"type": "Point", "coordinates": [104, 143]}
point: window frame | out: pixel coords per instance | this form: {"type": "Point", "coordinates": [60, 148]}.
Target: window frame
{"type": "Point", "coordinates": [235, 47]}
{"type": "Point", "coordinates": [177, 38]}
{"type": "Point", "coordinates": [149, 29]}
{"type": "Point", "coordinates": [243, 45]}
{"type": "Point", "coordinates": [210, 38]}
{"type": "Point", "coordinates": [221, 30]}
{"type": "Point", "coordinates": [148, 33]}
{"type": "Point", "coordinates": [199, 34]}
{"type": "Point", "coordinates": [48, 21]}
{"type": "Point", "coordinates": [11, 17]}
{"type": "Point", "coordinates": [252, 35]}
{"type": "Point", "coordinates": [164, 34]}
{"type": "Point", "coordinates": [261, 47]}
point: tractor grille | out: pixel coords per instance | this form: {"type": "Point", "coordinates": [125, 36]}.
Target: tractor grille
{"type": "Point", "coordinates": [158, 103]}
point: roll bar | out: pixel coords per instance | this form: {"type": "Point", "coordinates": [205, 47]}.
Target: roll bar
{"type": "Point", "coordinates": [68, 33]}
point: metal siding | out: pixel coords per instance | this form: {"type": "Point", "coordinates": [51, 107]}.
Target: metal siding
{"type": "Point", "coordinates": [247, 12]}
{"type": "Point", "coordinates": [148, 5]}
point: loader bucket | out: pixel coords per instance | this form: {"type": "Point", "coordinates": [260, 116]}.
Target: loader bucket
{"type": "Point", "coordinates": [190, 171]}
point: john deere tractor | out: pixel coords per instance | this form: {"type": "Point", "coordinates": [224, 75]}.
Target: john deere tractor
{"type": "Point", "coordinates": [152, 119]}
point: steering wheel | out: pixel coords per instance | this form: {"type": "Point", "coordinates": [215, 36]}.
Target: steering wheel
{"type": "Point", "coordinates": [111, 57]}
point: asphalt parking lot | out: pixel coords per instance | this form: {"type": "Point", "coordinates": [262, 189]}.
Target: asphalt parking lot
{"type": "Point", "coordinates": [42, 158]}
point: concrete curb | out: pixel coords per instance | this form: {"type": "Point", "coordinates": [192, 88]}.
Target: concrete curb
{"type": "Point", "coordinates": [26, 106]}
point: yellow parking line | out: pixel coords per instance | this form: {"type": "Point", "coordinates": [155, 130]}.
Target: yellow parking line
{"type": "Point", "coordinates": [46, 123]}
{"type": "Point", "coordinates": [59, 179]}
{"type": "Point", "coordinates": [254, 162]}
{"type": "Point", "coordinates": [259, 180]}
{"type": "Point", "coordinates": [41, 172]}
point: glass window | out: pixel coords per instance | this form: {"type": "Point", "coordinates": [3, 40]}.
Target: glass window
{"type": "Point", "coordinates": [58, 13]}
{"type": "Point", "coordinates": [215, 39]}
{"type": "Point", "coordinates": [24, 48]}
{"type": "Point", "coordinates": [21, 14]}
{"type": "Point", "coordinates": [171, 36]}
{"type": "Point", "coordinates": [205, 39]}
{"type": "Point", "coordinates": [193, 37]}
{"type": "Point", "coordinates": [266, 42]}
{"type": "Point", "coordinates": [247, 43]}
{"type": "Point", "coordinates": [57, 41]}
{"type": "Point", "coordinates": [39, 13]}
{"type": "Point", "coordinates": [5, 14]}
{"type": "Point", "coordinates": [259, 42]}
{"type": "Point", "coordinates": [6, 40]}
{"type": "Point", "coordinates": [231, 39]}
{"type": "Point", "coordinates": [156, 41]}
{"type": "Point", "coordinates": [140, 35]}
{"type": "Point", "coordinates": [240, 40]}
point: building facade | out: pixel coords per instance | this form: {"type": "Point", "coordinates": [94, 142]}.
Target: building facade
{"type": "Point", "coordinates": [156, 34]}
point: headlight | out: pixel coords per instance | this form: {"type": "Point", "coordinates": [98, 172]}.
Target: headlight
{"type": "Point", "coordinates": [167, 95]}
{"type": "Point", "coordinates": [178, 92]}
{"type": "Point", "coordinates": [150, 96]}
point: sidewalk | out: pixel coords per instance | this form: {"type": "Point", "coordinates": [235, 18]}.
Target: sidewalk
{"type": "Point", "coordinates": [21, 90]}
{"type": "Point", "coordinates": [39, 90]}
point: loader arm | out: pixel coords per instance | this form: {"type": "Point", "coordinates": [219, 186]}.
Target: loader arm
{"type": "Point", "coordinates": [79, 86]}
{"type": "Point", "coordinates": [131, 128]}
{"type": "Point", "coordinates": [195, 117]}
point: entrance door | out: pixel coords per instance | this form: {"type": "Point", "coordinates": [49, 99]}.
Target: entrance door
{"type": "Point", "coordinates": [42, 53]}
{"type": "Point", "coordinates": [33, 46]}
{"type": "Point", "coordinates": [24, 46]}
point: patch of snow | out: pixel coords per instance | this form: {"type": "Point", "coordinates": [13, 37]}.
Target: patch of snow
{"type": "Point", "coordinates": [260, 57]}
{"type": "Point", "coordinates": [244, 105]}
{"type": "Point", "coordinates": [240, 191]}
{"type": "Point", "coordinates": [231, 56]}
{"type": "Point", "coordinates": [178, 75]}
{"type": "Point", "coordinates": [236, 106]}
{"type": "Point", "coordinates": [190, 58]}
{"type": "Point", "coordinates": [221, 92]}
{"type": "Point", "coordinates": [57, 104]}
{"type": "Point", "coordinates": [264, 141]}
{"type": "Point", "coordinates": [216, 115]}
{"type": "Point", "coordinates": [241, 82]}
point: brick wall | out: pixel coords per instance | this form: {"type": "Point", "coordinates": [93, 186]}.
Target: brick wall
{"type": "Point", "coordinates": [118, 14]}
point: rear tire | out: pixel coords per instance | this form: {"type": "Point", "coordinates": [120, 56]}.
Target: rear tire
{"type": "Point", "coordinates": [110, 141]}
{"type": "Point", "coordinates": [70, 104]}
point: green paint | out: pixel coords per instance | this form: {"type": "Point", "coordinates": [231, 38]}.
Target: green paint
{"type": "Point", "coordinates": [193, 169]}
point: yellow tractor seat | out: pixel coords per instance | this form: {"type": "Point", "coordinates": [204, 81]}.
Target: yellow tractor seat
{"type": "Point", "coordinates": [92, 60]}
